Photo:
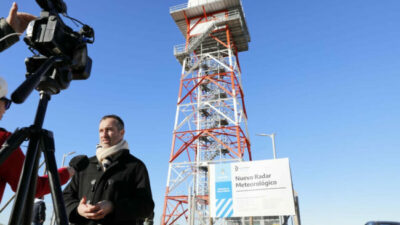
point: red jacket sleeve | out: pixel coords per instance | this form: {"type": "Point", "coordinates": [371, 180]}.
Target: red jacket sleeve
{"type": "Point", "coordinates": [12, 168]}
{"type": "Point", "coordinates": [43, 186]}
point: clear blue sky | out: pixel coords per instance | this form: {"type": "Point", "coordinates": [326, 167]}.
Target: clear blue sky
{"type": "Point", "coordinates": [323, 75]}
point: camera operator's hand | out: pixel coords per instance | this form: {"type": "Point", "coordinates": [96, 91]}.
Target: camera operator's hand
{"type": "Point", "coordinates": [18, 20]}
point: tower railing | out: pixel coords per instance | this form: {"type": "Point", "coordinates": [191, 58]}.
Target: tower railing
{"type": "Point", "coordinates": [181, 49]}
{"type": "Point", "coordinates": [178, 7]}
{"type": "Point", "coordinates": [185, 6]}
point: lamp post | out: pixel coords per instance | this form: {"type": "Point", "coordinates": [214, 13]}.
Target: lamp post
{"type": "Point", "coordinates": [65, 156]}
{"type": "Point", "coordinates": [272, 136]}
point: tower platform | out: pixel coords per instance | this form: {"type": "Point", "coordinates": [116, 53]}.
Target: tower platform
{"type": "Point", "coordinates": [202, 19]}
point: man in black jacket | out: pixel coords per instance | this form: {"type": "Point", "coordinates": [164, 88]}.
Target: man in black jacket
{"type": "Point", "coordinates": [15, 23]}
{"type": "Point", "coordinates": [115, 187]}
{"type": "Point", "coordinates": [39, 211]}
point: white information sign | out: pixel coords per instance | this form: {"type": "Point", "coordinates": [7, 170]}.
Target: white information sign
{"type": "Point", "coordinates": [256, 188]}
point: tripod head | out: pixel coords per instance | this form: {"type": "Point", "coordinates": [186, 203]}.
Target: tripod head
{"type": "Point", "coordinates": [65, 50]}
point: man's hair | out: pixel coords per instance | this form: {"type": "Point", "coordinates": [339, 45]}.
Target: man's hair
{"type": "Point", "coordinates": [120, 123]}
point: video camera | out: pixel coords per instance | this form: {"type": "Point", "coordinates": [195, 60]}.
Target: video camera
{"type": "Point", "coordinates": [51, 37]}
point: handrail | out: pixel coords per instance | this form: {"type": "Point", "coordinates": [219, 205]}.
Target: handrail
{"type": "Point", "coordinates": [186, 5]}
{"type": "Point", "coordinates": [178, 7]}
{"type": "Point", "coordinates": [179, 48]}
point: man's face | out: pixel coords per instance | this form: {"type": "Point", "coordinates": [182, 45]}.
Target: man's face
{"type": "Point", "coordinates": [109, 133]}
{"type": "Point", "coordinates": [2, 108]}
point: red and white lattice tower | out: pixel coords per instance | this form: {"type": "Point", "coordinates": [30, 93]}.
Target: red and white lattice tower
{"type": "Point", "coordinates": [211, 121]}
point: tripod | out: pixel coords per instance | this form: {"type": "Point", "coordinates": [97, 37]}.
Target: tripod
{"type": "Point", "coordinates": [40, 140]}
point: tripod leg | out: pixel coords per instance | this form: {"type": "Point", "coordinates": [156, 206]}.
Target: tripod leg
{"type": "Point", "coordinates": [56, 194]}
{"type": "Point", "coordinates": [27, 179]}
{"type": "Point", "coordinates": [30, 198]}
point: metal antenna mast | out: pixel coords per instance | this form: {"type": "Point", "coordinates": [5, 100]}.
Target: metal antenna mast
{"type": "Point", "coordinates": [211, 120]}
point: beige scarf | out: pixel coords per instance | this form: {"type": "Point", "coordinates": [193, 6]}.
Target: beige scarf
{"type": "Point", "coordinates": [102, 153]}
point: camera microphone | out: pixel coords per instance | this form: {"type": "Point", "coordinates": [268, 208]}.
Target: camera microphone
{"type": "Point", "coordinates": [58, 5]}
{"type": "Point", "coordinates": [79, 162]}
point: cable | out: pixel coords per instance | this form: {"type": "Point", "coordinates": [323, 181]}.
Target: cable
{"type": "Point", "coordinates": [9, 35]}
